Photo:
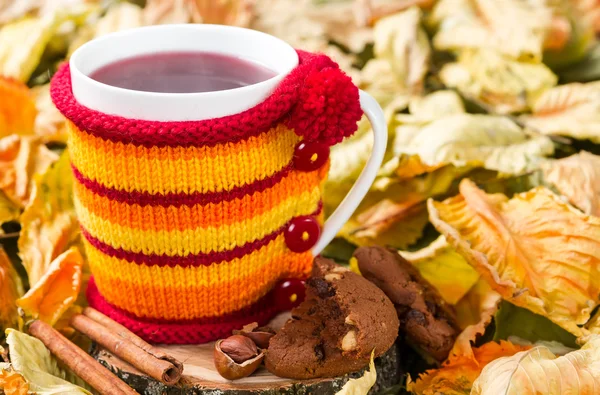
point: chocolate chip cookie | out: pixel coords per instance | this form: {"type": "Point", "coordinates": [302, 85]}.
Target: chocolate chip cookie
{"type": "Point", "coordinates": [343, 318]}
{"type": "Point", "coordinates": [427, 320]}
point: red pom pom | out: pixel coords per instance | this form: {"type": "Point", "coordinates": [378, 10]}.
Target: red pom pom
{"type": "Point", "coordinates": [328, 107]}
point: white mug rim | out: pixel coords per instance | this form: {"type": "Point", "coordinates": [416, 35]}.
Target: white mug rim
{"type": "Point", "coordinates": [255, 93]}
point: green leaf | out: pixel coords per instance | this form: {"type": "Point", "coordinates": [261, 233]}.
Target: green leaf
{"type": "Point", "coordinates": [516, 321]}
{"type": "Point", "coordinates": [30, 358]}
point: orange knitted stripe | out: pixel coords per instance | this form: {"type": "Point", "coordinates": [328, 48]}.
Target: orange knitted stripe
{"type": "Point", "coordinates": [160, 218]}
{"type": "Point", "coordinates": [205, 291]}
{"type": "Point", "coordinates": [181, 170]}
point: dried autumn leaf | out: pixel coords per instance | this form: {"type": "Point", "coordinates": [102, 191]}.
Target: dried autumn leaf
{"type": "Point", "coordinates": [474, 313]}
{"type": "Point", "coordinates": [444, 268]}
{"type": "Point", "coordinates": [56, 290]}
{"type": "Point", "coordinates": [436, 105]}
{"type": "Point", "coordinates": [224, 12]}
{"type": "Point", "coordinates": [512, 27]}
{"type": "Point", "coordinates": [17, 109]}
{"type": "Point", "coordinates": [401, 41]}
{"type": "Point", "coordinates": [158, 12]}
{"type": "Point", "coordinates": [9, 211]}
{"type": "Point", "coordinates": [11, 289]}
{"type": "Point", "coordinates": [363, 384]}
{"type": "Point", "coordinates": [12, 383]}
{"type": "Point", "coordinates": [48, 224]}
{"type": "Point", "coordinates": [22, 44]}
{"type": "Point", "coordinates": [491, 142]}
{"type": "Point", "coordinates": [50, 123]}
{"type": "Point", "coordinates": [338, 24]}
{"type": "Point", "coordinates": [457, 374]}
{"type": "Point", "coordinates": [577, 177]}
{"type": "Point", "coordinates": [378, 79]}
{"type": "Point", "coordinates": [392, 210]}
{"type": "Point", "coordinates": [120, 16]}
{"type": "Point", "coordinates": [555, 112]}
{"type": "Point", "coordinates": [21, 157]}
{"type": "Point", "coordinates": [539, 371]}
{"type": "Point", "coordinates": [13, 10]}
{"type": "Point", "coordinates": [387, 223]}
{"type": "Point", "coordinates": [535, 250]}
{"type": "Point", "coordinates": [30, 358]}
{"type": "Point", "coordinates": [500, 84]}
{"type": "Point", "coordinates": [508, 324]}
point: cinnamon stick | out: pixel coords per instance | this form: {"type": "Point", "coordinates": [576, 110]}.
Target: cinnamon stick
{"type": "Point", "coordinates": [83, 365]}
{"type": "Point", "coordinates": [159, 369]}
{"type": "Point", "coordinates": [119, 329]}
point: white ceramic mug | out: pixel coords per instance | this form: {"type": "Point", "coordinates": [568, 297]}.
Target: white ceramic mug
{"type": "Point", "coordinates": [234, 41]}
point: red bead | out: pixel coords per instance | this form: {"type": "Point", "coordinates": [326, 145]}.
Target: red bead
{"type": "Point", "coordinates": [309, 156]}
{"type": "Point", "coordinates": [289, 293]}
{"type": "Point", "coordinates": [302, 233]}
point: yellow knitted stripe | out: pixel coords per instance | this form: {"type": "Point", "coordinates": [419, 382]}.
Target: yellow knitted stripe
{"type": "Point", "coordinates": [195, 292]}
{"type": "Point", "coordinates": [199, 240]}
{"type": "Point", "coordinates": [181, 170]}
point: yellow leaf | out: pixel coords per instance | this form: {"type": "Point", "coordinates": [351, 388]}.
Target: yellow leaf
{"type": "Point", "coordinates": [50, 123]}
{"type": "Point", "coordinates": [539, 371]}
{"type": "Point", "coordinates": [48, 224]}
{"type": "Point", "coordinates": [578, 179]}
{"type": "Point", "coordinates": [444, 268]}
{"type": "Point", "coordinates": [363, 384]}
{"type": "Point", "coordinates": [9, 211]}
{"type": "Point", "coordinates": [17, 109]}
{"type": "Point", "coordinates": [353, 265]}
{"type": "Point", "coordinates": [120, 16]}
{"type": "Point", "coordinates": [535, 250]}
{"type": "Point", "coordinates": [10, 290]}
{"type": "Point", "coordinates": [22, 44]}
{"type": "Point", "coordinates": [457, 374]}
{"type": "Point", "coordinates": [57, 290]}
{"type": "Point", "coordinates": [386, 223]}
{"type": "Point", "coordinates": [21, 157]}
{"type": "Point", "coordinates": [12, 383]}
{"type": "Point", "coordinates": [30, 358]}
{"type": "Point", "coordinates": [512, 27]}
{"type": "Point", "coordinates": [474, 312]}
{"type": "Point", "coordinates": [500, 84]}
{"type": "Point", "coordinates": [436, 105]}
{"type": "Point", "coordinates": [555, 112]}
{"type": "Point", "coordinates": [378, 79]}
{"type": "Point", "coordinates": [492, 142]}
{"type": "Point", "coordinates": [401, 41]}
{"type": "Point", "coordinates": [157, 12]}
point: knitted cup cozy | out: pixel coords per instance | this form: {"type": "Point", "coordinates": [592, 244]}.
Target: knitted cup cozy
{"type": "Point", "coordinates": [189, 226]}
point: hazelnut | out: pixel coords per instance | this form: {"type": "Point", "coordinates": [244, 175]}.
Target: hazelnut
{"type": "Point", "coordinates": [260, 335]}
{"type": "Point", "coordinates": [238, 346]}
{"type": "Point", "coordinates": [349, 341]}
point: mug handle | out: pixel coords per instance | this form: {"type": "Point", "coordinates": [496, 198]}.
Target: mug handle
{"type": "Point", "coordinates": [360, 188]}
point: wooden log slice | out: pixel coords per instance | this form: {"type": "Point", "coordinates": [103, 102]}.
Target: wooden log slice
{"type": "Point", "coordinates": [200, 376]}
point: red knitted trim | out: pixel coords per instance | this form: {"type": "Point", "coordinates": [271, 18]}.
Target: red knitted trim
{"type": "Point", "coordinates": [181, 199]}
{"type": "Point", "coordinates": [209, 132]}
{"type": "Point", "coordinates": [191, 260]}
{"type": "Point", "coordinates": [184, 332]}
